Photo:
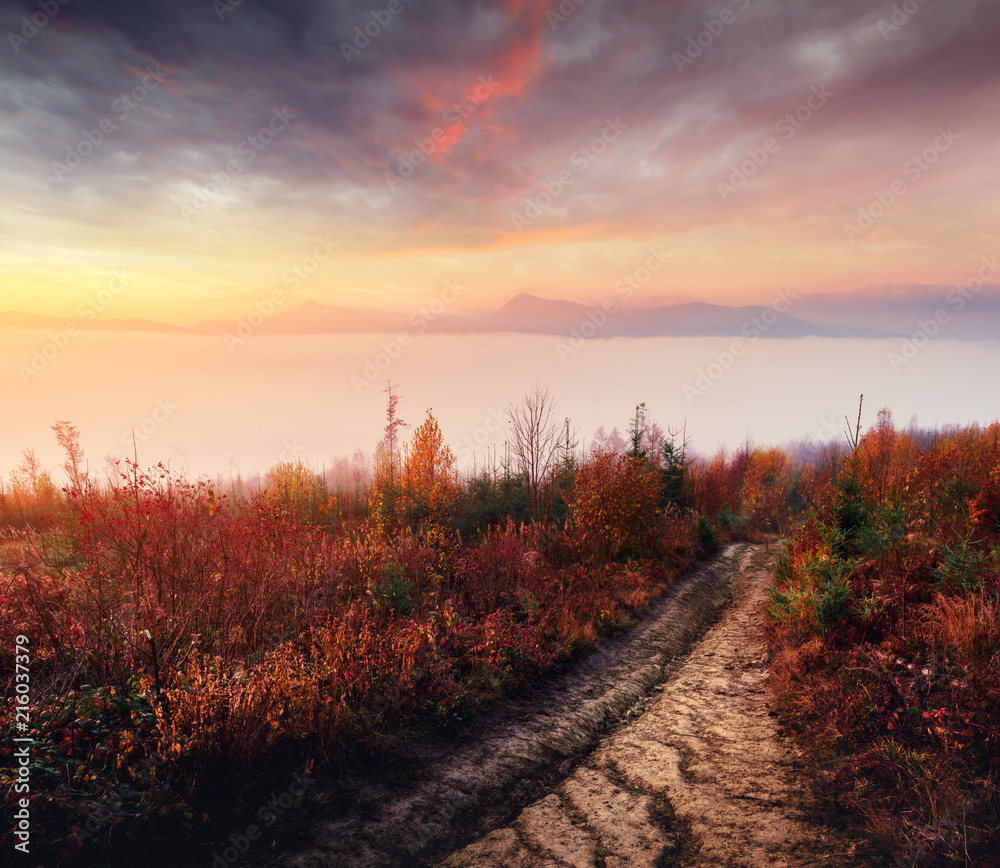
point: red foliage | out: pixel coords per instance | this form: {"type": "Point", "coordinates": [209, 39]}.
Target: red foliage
{"type": "Point", "coordinates": [221, 635]}
{"type": "Point", "coordinates": [615, 506]}
{"type": "Point", "coordinates": [886, 643]}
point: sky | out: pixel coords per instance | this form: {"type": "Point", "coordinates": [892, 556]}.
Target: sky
{"type": "Point", "coordinates": [204, 157]}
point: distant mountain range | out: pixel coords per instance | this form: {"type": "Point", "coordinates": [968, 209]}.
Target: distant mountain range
{"type": "Point", "coordinates": [17, 320]}
{"type": "Point", "coordinates": [526, 312]}
{"type": "Point", "coordinates": [875, 312]}
{"type": "Point", "coordinates": [964, 313]}
{"type": "Point", "coordinates": [531, 314]}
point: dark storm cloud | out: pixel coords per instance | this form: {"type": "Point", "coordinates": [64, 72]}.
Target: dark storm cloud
{"type": "Point", "coordinates": [695, 84]}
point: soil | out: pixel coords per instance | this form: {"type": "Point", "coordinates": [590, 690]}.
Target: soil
{"type": "Point", "coordinates": [658, 749]}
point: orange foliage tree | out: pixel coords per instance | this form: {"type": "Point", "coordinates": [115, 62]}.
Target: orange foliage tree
{"type": "Point", "coordinates": [430, 481]}
{"type": "Point", "coordinates": [614, 504]}
{"type": "Point", "coordinates": [718, 481]}
{"type": "Point", "coordinates": [30, 494]}
{"type": "Point", "coordinates": [764, 496]}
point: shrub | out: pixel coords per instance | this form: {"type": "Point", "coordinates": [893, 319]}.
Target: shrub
{"type": "Point", "coordinates": [614, 506]}
{"type": "Point", "coordinates": [967, 625]}
{"type": "Point", "coordinates": [884, 618]}
{"type": "Point", "coordinates": [962, 567]}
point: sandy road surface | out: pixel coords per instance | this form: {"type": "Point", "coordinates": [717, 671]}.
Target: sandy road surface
{"type": "Point", "coordinates": [701, 778]}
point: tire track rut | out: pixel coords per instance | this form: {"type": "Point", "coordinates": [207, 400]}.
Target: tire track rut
{"type": "Point", "coordinates": [701, 778]}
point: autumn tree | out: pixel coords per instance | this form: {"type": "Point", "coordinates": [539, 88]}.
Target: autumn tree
{"type": "Point", "coordinates": [294, 489]}
{"type": "Point", "coordinates": [615, 499]}
{"type": "Point", "coordinates": [764, 496]}
{"type": "Point", "coordinates": [385, 488]}
{"type": "Point", "coordinates": [392, 421]}
{"type": "Point", "coordinates": [430, 481]}
{"type": "Point", "coordinates": [68, 437]}
{"type": "Point", "coordinates": [31, 492]}
{"type": "Point", "coordinates": [28, 471]}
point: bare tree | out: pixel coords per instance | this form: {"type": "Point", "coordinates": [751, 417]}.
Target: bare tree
{"type": "Point", "coordinates": [604, 442]}
{"type": "Point", "coordinates": [28, 471]}
{"type": "Point", "coordinates": [393, 422]}
{"type": "Point", "coordinates": [653, 441]}
{"type": "Point", "coordinates": [534, 439]}
{"type": "Point", "coordinates": [68, 436]}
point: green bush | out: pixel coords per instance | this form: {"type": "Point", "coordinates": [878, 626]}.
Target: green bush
{"type": "Point", "coordinates": [962, 568]}
{"type": "Point", "coordinates": [393, 591]}
{"type": "Point", "coordinates": [708, 542]}
{"type": "Point", "coordinates": [818, 596]}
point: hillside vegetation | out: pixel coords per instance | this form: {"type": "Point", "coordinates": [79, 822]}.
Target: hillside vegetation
{"type": "Point", "coordinates": [193, 643]}
{"type": "Point", "coordinates": [886, 623]}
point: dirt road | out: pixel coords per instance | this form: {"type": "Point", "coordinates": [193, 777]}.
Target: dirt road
{"type": "Point", "coordinates": [638, 756]}
{"type": "Point", "coordinates": [701, 778]}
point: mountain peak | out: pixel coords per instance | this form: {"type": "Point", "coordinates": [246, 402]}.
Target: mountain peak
{"type": "Point", "coordinates": [525, 305]}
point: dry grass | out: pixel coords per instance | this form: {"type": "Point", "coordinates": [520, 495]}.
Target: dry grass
{"type": "Point", "coordinates": [969, 624]}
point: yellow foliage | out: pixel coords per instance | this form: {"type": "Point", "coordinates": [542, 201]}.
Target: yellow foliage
{"type": "Point", "coordinates": [294, 488]}
{"type": "Point", "coordinates": [430, 481]}
{"type": "Point", "coordinates": [764, 497]}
